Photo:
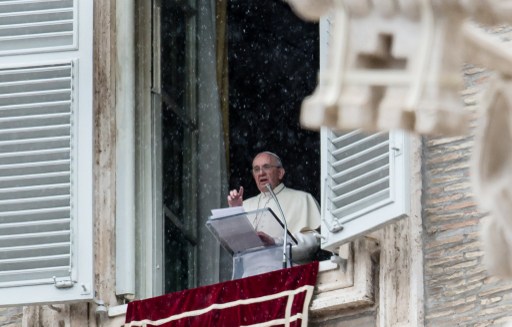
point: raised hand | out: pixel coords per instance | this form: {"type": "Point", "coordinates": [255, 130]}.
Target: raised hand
{"type": "Point", "coordinates": [236, 197]}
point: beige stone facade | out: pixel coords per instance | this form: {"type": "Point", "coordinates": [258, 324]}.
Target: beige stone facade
{"type": "Point", "coordinates": [459, 291]}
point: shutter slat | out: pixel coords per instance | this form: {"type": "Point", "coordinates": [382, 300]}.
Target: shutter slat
{"type": "Point", "coordinates": [30, 117]}
{"type": "Point", "coordinates": [35, 203]}
{"type": "Point", "coordinates": [33, 143]}
{"type": "Point", "coordinates": [24, 17]}
{"type": "Point", "coordinates": [33, 153]}
{"type": "Point", "coordinates": [33, 262]}
{"type": "Point", "coordinates": [35, 132]}
{"type": "Point", "coordinates": [33, 276]}
{"type": "Point", "coordinates": [356, 145]}
{"type": "Point", "coordinates": [33, 192]}
{"type": "Point", "coordinates": [31, 73]}
{"type": "Point", "coordinates": [44, 25]}
{"type": "Point", "coordinates": [25, 5]}
{"type": "Point", "coordinates": [360, 169]}
{"type": "Point", "coordinates": [43, 109]}
{"type": "Point", "coordinates": [341, 140]}
{"type": "Point", "coordinates": [35, 107]}
{"type": "Point", "coordinates": [360, 193]}
{"type": "Point", "coordinates": [35, 93]}
{"type": "Point", "coordinates": [371, 174]}
{"type": "Point", "coordinates": [47, 187]}
{"type": "Point", "coordinates": [35, 214]}
{"type": "Point", "coordinates": [39, 249]}
{"type": "Point", "coordinates": [19, 225]}
{"type": "Point", "coordinates": [40, 156]}
{"type": "Point", "coordinates": [359, 155]}
{"type": "Point", "coordinates": [16, 11]}
{"type": "Point", "coordinates": [42, 43]}
{"type": "Point", "coordinates": [41, 199]}
{"type": "Point", "coordinates": [34, 179]}
{"type": "Point", "coordinates": [361, 188]}
{"type": "Point", "coordinates": [43, 247]}
{"type": "Point", "coordinates": [34, 238]}
{"type": "Point", "coordinates": [14, 123]}
{"type": "Point", "coordinates": [35, 165]}
{"type": "Point", "coordinates": [58, 94]}
{"type": "Point", "coordinates": [354, 141]}
{"type": "Point", "coordinates": [40, 37]}
{"type": "Point", "coordinates": [35, 83]}
{"type": "Point", "coordinates": [366, 202]}
{"type": "Point", "coordinates": [35, 251]}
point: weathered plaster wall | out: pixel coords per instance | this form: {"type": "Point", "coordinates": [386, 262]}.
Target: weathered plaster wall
{"type": "Point", "coordinates": [104, 149]}
{"type": "Point", "coordinates": [10, 317]}
{"type": "Point", "coordinates": [351, 318]}
{"type": "Point", "coordinates": [365, 316]}
{"type": "Point", "coordinates": [458, 289]}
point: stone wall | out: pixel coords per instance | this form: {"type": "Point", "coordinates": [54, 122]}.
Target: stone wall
{"type": "Point", "coordinates": [458, 289]}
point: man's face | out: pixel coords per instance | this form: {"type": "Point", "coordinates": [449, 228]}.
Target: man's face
{"type": "Point", "coordinates": [265, 171]}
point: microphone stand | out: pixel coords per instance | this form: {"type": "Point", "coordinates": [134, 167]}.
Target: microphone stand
{"type": "Point", "coordinates": [269, 188]}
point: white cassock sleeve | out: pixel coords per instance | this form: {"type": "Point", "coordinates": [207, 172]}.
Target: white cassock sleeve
{"type": "Point", "coordinates": [300, 208]}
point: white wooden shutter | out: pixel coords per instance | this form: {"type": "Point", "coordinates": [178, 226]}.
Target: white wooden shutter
{"type": "Point", "coordinates": [45, 151]}
{"type": "Point", "coordinates": [365, 183]}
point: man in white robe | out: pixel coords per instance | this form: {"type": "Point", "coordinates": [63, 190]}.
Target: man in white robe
{"type": "Point", "coordinates": [300, 209]}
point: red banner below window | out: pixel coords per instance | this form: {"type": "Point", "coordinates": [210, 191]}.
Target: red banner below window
{"type": "Point", "coordinates": [277, 298]}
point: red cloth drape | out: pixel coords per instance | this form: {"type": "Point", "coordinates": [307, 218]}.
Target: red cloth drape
{"type": "Point", "coordinates": [277, 298]}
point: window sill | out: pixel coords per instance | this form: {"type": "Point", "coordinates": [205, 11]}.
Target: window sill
{"type": "Point", "coordinates": [346, 287]}
{"type": "Point", "coordinates": [117, 310]}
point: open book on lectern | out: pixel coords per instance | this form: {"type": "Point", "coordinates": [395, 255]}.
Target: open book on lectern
{"type": "Point", "coordinates": [238, 231]}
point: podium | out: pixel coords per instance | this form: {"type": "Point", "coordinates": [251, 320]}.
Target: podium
{"type": "Point", "coordinates": [254, 239]}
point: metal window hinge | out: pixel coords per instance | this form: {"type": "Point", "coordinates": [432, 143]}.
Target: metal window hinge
{"type": "Point", "coordinates": [63, 283]}
{"type": "Point", "coordinates": [335, 227]}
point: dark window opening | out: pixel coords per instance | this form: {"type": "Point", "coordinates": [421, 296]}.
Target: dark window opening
{"type": "Point", "coordinates": [273, 60]}
{"type": "Point", "coordinates": [177, 144]}
{"type": "Point", "coordinates": [273, 65]}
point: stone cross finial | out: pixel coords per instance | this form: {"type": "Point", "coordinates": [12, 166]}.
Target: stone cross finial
{"type": "Point", "coordinates": [391, 64]}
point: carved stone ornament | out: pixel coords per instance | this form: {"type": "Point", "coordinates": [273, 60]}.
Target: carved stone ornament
{"type": "Point", "coordinates": [396, 64]}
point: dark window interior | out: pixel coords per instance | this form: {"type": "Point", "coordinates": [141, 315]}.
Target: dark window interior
{"type": "Point", "coordinates": [273, 64]}
{"type": "Point", "coordinates": [178, 128]}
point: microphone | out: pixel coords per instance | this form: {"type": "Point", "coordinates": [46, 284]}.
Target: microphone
{"type": "Point", "coordinates": [269, 188]}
